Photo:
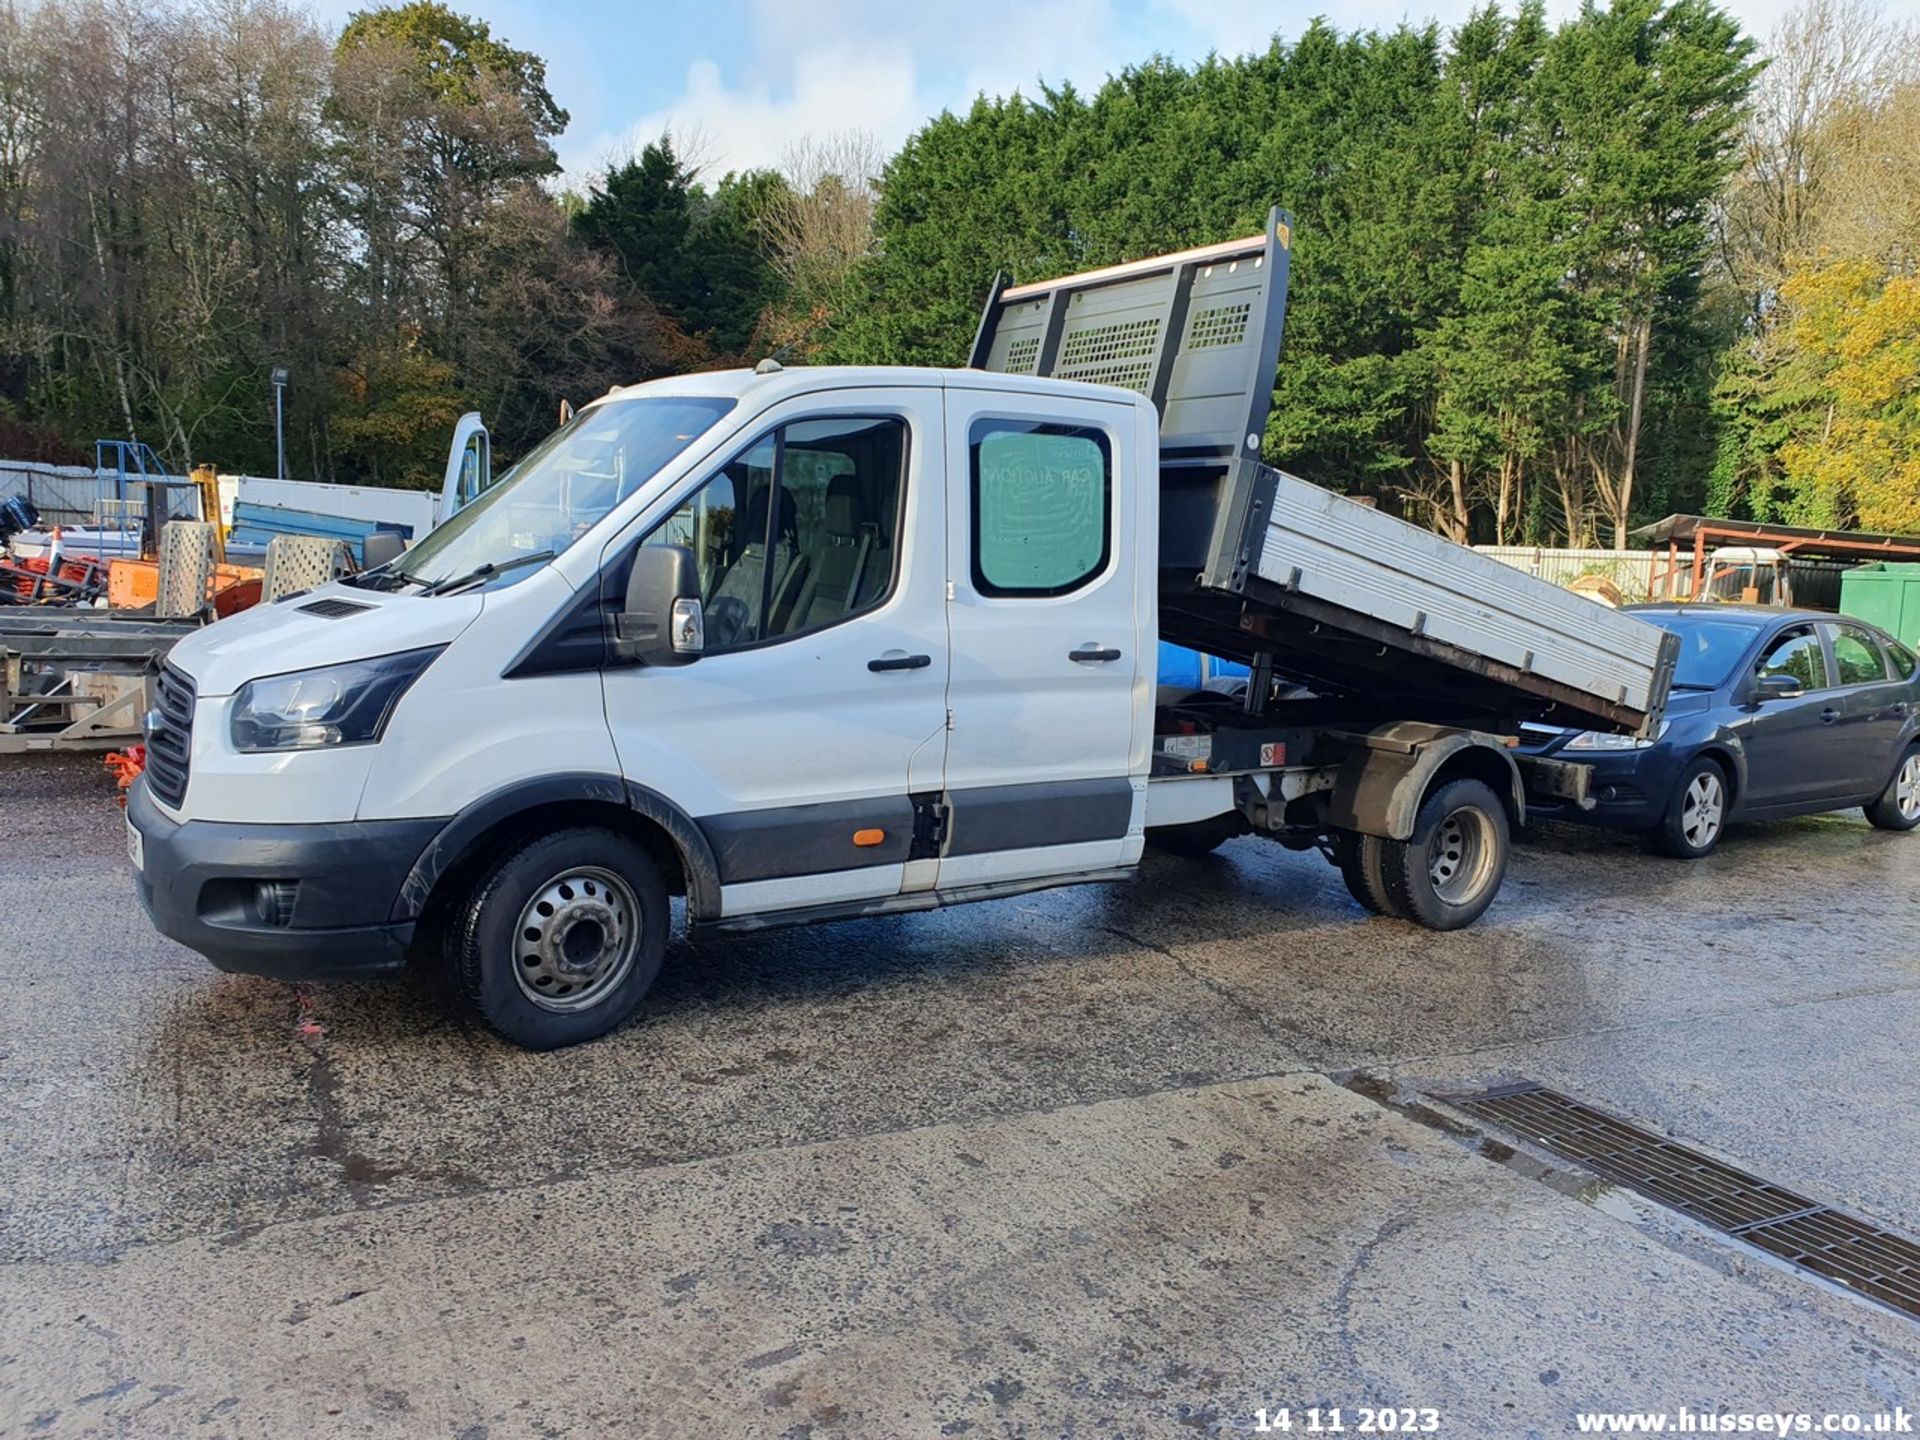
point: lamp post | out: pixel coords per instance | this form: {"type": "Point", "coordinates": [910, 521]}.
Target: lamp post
{"type": "Point", "coordinates": [279, 420]}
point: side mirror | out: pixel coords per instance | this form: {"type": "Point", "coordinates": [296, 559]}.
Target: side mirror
{"type": "Point", "coordinates": [382, 547]}
{"type": "Point", "coordinates": [1778, 687]}
{"type": "Point", "coordinates": [661, 622]}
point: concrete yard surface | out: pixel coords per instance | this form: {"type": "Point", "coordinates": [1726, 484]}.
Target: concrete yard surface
{"type": "Point", "coordinates": [1129, 1161]}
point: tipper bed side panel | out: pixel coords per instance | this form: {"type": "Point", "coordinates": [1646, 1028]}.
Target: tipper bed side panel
{"type": "Point", "coordinates": [1356, 557]}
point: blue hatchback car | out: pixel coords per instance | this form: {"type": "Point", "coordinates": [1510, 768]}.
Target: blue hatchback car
{"type": "Point", "coordinates": [1773, 713]}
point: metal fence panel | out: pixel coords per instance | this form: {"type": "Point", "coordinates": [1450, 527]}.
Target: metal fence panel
{"type": "Point", "coordinates": [63, 494]}
{"type": "Point", "coordinates": [1631, 570]}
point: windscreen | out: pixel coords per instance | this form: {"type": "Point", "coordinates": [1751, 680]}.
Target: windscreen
{"type": "Point", "coordinates": [570, 482]}
{"type": "Point", "coordinates": [1709, 649]}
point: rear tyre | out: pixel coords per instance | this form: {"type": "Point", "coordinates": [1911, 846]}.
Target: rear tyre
{"type": "Point", "coordinates": [1359, 862]}
{"type": "Point", "coordinates": [1697, 814]}
{"type": "Point", "coordinates": [1446, 875]}
{"type": "Point", "coordinates": [1898, 807]}
{"type": "Point", "coordinates": [1197, 837]}
{"type": "Point", "coordinates": [559, 941]}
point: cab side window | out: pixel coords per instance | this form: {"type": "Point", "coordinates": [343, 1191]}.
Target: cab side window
{"type": "Point", "coordinates": [797, 532]}
{"type": "Point", "coordinates": [1042, 506]}
{"type": "Point", "coordinates": [1797, 654]}
{"type": "Point", "coordinates": [1903, 662]}
{"type": "Point", "coordinates": [1857, 657]}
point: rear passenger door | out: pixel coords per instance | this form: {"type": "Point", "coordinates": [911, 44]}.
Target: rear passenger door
{"type": "Point", "coordinates": [819, 701]}
{"type": "Point", "coordinates": [1045, 621]}
{"type": "Point", "coordinates": [1873, 709]}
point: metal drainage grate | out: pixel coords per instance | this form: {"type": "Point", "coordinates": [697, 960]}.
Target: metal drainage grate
{"type": "Point", "coordinates": [1863, 1257]}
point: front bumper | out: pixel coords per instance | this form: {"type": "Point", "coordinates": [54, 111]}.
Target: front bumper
{"type": "Point", "coordinates": [1622, 791]}
{"type": "Point", "coordinates": [199, 881]}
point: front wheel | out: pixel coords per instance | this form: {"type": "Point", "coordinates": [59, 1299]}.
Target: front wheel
{"type": "Point", "coordinates": [1447, 874]}
{"type": "Point", "coordinates": [559, 941]}
{"type": "Point", "coordinates": [1898, 807]}
{"type": "Point", "coordinates": [1696, 815]}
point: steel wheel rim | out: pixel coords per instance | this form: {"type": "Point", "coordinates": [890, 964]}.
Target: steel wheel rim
{"type": "Point", "coordinates": [1702, 809]}
{"type": "Point", "coordinates": [1906, 788]}
{"type": "Point", "coordinates": [576, 939]}
{"type": "Point", "coordinates": [1460, 856]}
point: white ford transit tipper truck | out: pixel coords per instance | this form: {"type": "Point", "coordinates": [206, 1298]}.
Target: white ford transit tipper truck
{"type": "Point", "coordinates": [808, 644]}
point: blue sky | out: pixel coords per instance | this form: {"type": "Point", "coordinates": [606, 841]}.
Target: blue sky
{"type": "Point", "coordinates": [745, 78]}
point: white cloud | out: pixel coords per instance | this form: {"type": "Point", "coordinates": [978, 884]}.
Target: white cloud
{"type": "Point", "coordinates": [828, 89]}
{"type": "Point", "coordinates": [868, 65]}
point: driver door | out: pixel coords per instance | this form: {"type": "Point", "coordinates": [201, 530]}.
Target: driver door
{"type": "Point", "coordinates": [1791, 745]}
{"type": "Point", "coordinates": [819, 703]}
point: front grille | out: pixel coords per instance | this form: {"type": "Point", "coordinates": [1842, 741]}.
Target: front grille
{"type": "Point", "coordinates": [170, 745]}
{"type": "Point", "coordinates": [1866, 1258]}
{"type": "Point", "coordinates": [1538, 737]}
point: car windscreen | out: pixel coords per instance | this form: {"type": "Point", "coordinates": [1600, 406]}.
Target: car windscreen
{"type": "Point", "coordinates": [564, 486]}
{"type": "Point", "coordinates": [1709, 649]}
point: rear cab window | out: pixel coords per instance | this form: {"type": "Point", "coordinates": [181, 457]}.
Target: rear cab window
{"type": "Point", "coordinates": [1042, 504]}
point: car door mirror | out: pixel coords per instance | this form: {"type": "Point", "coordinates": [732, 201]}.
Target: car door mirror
{"type": "Point", "coordinates": [1778, 687]}
{"type": "Point", "coordinates": [661, 622]}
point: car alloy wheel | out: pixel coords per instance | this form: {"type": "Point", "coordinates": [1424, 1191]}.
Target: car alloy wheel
{"type": "Point", "coordinates": [1702, 809]}
{"type": "Point", "coordinates": [1906, 787]}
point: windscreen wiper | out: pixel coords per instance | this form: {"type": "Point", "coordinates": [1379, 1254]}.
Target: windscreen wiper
{"type": "Point", "coordinates": [381, 577]}
{"type": "Point", "coordinates": [486, 572]}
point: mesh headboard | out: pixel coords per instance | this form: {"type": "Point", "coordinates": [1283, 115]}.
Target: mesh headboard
{"type": "Point", "coordinates": [1197, 331]}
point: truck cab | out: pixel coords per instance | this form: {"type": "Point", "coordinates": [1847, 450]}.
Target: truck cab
{"type": "Point", "coordinates": [921, 668]}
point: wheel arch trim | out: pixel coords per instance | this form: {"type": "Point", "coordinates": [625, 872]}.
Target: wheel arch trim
{"type": "Point", "coordinates": [455, 839]}
{"type": "Point", "coordinates": [1384, 780]}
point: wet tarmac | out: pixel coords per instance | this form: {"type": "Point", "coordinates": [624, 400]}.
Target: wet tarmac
{"type": "Point", "coordinates": [1136, 1160]}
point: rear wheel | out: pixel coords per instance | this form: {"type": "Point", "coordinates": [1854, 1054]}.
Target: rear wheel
{"type": "Point", "coordinates": [1197, 837]}
{"type": "Point", "coordinates": [1446, 875]}
{"type": "Point", "coordinates": [558, 942]}
{"type": "Point", "coordinates": [1898, 807]}
{"type": "Point", "coordinates": [1359, 859]}
{"type": "Point", "coordinates": [1697, 814]}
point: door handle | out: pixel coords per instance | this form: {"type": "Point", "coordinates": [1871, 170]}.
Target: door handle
{"type": "Point", "coordinates": [1829, 715]}
{"type": "Point", "coordinates": [1093, 654]}
{"type": "Point", "coordinates": [900, 662]}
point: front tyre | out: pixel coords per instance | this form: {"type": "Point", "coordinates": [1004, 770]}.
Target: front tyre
{"type": "Point", "coordinates": [1696, 816]}
{"type": "Point", "coordinates": [1898, 807]}
{"type": "Point", "coordinates": [1446, 875]}
{"type": "Point", "coordinates": [561, 939]}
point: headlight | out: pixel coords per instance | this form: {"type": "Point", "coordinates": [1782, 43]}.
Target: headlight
{"type": "Point", "coordinates": [1602, 740]}
{"type": "Point", "coordinates": [312, 709]}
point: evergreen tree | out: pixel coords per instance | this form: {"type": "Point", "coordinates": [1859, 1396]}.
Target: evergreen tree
{"type": "Point", "coordinates": [695, 255]}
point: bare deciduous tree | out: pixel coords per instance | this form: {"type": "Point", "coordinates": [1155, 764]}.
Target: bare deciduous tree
{"type": "Point", "coordinates": [819, 227]}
